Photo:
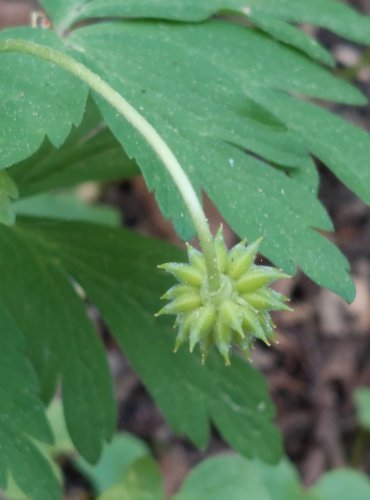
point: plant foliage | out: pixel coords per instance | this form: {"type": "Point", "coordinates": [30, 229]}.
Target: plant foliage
{"type": "Point", "coordinates": [236, 478]}
{"type": "Point", "coordinates": [230, 88]}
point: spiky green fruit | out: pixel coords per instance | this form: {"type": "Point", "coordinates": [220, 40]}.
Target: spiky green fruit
{"type": "Point", "coordinates": [234, 315]}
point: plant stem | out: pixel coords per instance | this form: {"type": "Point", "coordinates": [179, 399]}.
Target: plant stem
{"type": "Point", "coordinates": [147, 131]}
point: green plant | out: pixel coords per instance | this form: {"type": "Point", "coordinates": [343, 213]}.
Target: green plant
{"type": "Point", "coordinates": [127, 471]}
{"type": "Point", "coordinates": [201, 95]}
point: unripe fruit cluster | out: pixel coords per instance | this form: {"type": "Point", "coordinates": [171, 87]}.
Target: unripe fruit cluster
{"type": "Point", "coordinates": [234, 315]}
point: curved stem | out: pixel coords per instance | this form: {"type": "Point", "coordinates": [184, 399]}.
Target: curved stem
{"type": "Point", "coordinates": [147, 131]}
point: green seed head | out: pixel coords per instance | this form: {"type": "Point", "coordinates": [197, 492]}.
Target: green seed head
{"type": "Point", "coordinates": [233, 316]}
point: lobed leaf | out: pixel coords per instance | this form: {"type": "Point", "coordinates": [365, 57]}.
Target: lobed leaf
{"type": "Point", "coordinates": [116, 460]}
{"type": "Point", "coordinates": [335, 485]}
{"type": "Point", "coordinates": [259, 201]}
{"type": "Point", "coordinates": [344, 148]}
{"type": "Point", "coordinates": [233, 477]}
{"type": "Point", "coordinates": [37, 99]}
{"type": "Point", "coordinates": [60, 340]}
{"type": "Point", "coordinates": [22, 418]}
{"type": "Point", "coordinates": [271, 16]}
{"type": "Point", "coordinates": [211, 100]}
{"type": "Point", "coordinates": [291, 35]}
{"type": "Point", "coordinates": [334, 15]}
{"type": "Point", "coordinates": [127, 296]}
{"type": "Point", "coordinates": [91, 153]}
{"type": "Point", "coordinates": [208, 138]}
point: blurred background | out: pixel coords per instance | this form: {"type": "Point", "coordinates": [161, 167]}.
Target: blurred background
{"type": "Point", "coordinates": [323, 353]}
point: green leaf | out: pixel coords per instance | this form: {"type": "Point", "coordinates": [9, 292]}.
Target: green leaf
{"type": "Point", "coordinates": [344, 148]}
{"type": "Point", "coordinates": [142, 481]}
{"type": "Point", "coordinates": [290, 35]}
{"type": "Point", "coordinates": [66, 206]}
{"type": "Point", "coordinates": [91, 153]}
{"type": "Point", "coordinates": [37, 99]}
{"type": "Point", "coordinates": [257, 200]}
{"type": "Point", "coordinates": [267, 198]}
{"type": "Point", "coordinates": [60, 340]}
{"type": "Point", "coordinates": [342, 485]}
{"type": "Point", "coordinates": [22, 418]}
{"type": "Point", "coordinates": [230, 477]}
{"type": "Point", "coordinates": [330, 14]}
{"type": "Point", "coordinates": [124, 466]}
{"type": "Point", "coordinates": [117, 270]}
{"type": "Point", "coordinates": [189, 109]}
{"type": "Point", "coordinates": [115, 461]}
{"type": "Point", "coordinates": [201, 97]}
{"type": "Point", "coordinates": [362, 402]}
{"type": "Point", "coordinates": [235, 478]}
{"type": "Point", "coordinates": [8, 191]}
{"type": "Point", "coordinates": [67, 13]}
{"type": "Point", "coordinates": [238, 478]}
{"type": "Point", "coordinates": [191, 10]}
{"type": "Point", "coordinates": [281, 481]}
{"type": "Point", "coordinates": [13, 491]}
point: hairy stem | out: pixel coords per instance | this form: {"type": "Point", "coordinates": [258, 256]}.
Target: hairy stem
{"type": "Point", "coordinates": [146, 130]}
